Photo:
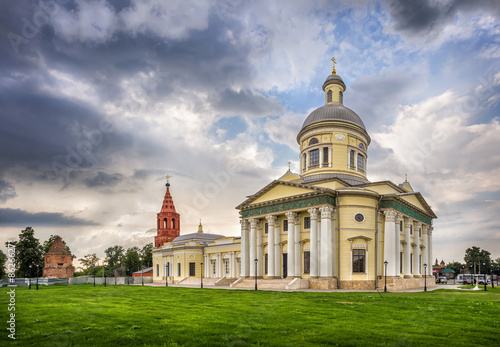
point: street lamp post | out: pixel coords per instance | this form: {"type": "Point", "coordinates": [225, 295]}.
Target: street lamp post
{"type": "Point", "coordinates": [142, 275]}
{"type": "Point", "coordinates": [94, 274]}
{"type": "Point", "coordinates": [484, 278]}
{"type": "Point", "coordinates": [201, 275]}
{"type": "Point", "coordinates": [37, 269]}
{"type": "Point", "coordinates": [104, 275]}
{"type": "Point", "coordinates": [128, 280]}
{"type": "Point", "coordinates": [256, 261]}
{"type": "Point", "coordinates": [29, 287]}
{"type": "Point", "coordinates": [385, 275]}
{"type": "Point", "coordinates": [491, 272]}
{"type": "Point", "coordinates": [425, 277]}
{"type": "Point", "coordinates": [168, 270]}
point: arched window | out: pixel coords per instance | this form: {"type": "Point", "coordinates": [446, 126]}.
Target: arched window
{"type": "Point", "coordinates": [361, 163]}
{"type": "Point", "coordinates": [351, 159]}
{"type": "Point", "coordinates": [313, 141]}
{"type": "Point", "coordinates": [361, 146]}
{"type": "Point", "coordinates": [173, 223]}
{"type": "Point", "coordinates": [165, 223]}
{"type": "Point", "coordinates": [341, 97]}
{"type": "Point", "coordinates": [329, 96]}
{"type": "Point", "coordinates": [159, 223]}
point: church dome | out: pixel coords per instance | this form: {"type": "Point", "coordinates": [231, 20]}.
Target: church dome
{"type": "Point", "coordinates": [333, 112]}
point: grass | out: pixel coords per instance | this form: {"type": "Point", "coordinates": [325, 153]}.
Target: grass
{"type": "Point", "coordinates": [83, 315]}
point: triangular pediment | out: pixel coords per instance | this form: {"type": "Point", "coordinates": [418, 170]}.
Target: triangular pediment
{"type": "Point", "coordinates": [278, 190]}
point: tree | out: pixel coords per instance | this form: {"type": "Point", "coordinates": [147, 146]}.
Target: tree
{"type": "Point", "coordinates": [481, 258]}
{"type": "Point", "coordinates": [47, 244]}
{"type": "Point", "coordinates": [496, 266]}
{"type": "Point", "coordinates": [132, 260]}
{"type": "Point", "coordinates": [147, 255]}
{"type": "Point", "coordinates": [29, 251]}
{"type": "Point", "coordinates": [3, 258]}
{"type": "Point", "coordinates": [88, 261]}
{"type": "Point", "coordinates": [114, 256]}
{"type": "Point", "coordinates": [456, 266]}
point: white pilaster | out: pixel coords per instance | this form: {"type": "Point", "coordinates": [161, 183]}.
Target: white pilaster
{"type": "Point", "coordinates": [253, 245]}
{"type": "Point", "coordinates": [298, 255]}
{"type": "Point", "coordinates": [407, 256]}
{"type": "Point", "coordinates": [389, 241]}
{"type": "Point", "coordinates": [326, 259]}
{"type": "Point", "coordinates": [277, 252]}
{"type": "Point", "coordinates": [259, 248]}
{"type": "Point", "coordinates": [245, 256]}
{"type": "Point", "coordinates": [270, 245]}
{"type": "Point", "coordinates": [313, 212]}
{"type": "Point", "coordinates": [329, 156]}
{"type": "Point", "coordinates": [380, 262]}
{"type": "Point", "coordinates": [416, 252]}
{"type": "Point", "coordinates": [399, 217]}
{"type": "Point", "coordinates": [429, 242]}
{"type": "Point", "coordinates": [425, 255]}
{"type": "Point", "coordinates": [307, 161]}
{"type": "Point", "coordinates": [291, 244]}
{"type": "Point", "coordinates": [321, 157]}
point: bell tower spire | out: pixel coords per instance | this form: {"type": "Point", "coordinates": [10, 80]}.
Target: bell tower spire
{"type": "Point", "coordinates": [168, 220]}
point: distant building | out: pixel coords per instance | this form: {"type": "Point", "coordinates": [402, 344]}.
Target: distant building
{"type": "Point", "coordinates": [58, 262]}
{"type": "Point", "coordinates": [146, 272]}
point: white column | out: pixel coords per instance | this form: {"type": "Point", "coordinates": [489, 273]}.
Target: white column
{"type": "Point", "coordinates": [425, 255]}
{"type": "Point", "coordinates": [399, 217]}
{"type": "Point", "coordinates": [416, 253]}
{"type": "Point", "coordinates": [270, 245]}
{"type": "Point", "coordinates": [298, 255]}
{"type": "Point", "coordinates": [334, 244]}
{"type": "Point", "coordinates": [245, 256]}
{"type": "Point", "coordinates": [313, 212]}
{"type": "Point", "coordinates": [407, 265]}
{"type": "Point", "coordinates": [326, 260]}
{"type": "Point", "coordinates": [291, 244]}
{"type": "Point", "coordinates": [259, 248]}
{"type": "Point", "coordinates": [389, 242]}
{"type": "Point", "coordinates": [329, 156]}
{"type": "Point", "coordinates": [253, 245]}
{"type": "Point", "coordinates": [380, 262]}
{"type": "Point", "coordinates": [318, 232]}
{"type": "Point", "coordinates": [307, 161]}
{"type": "Point", "coordinates": [277, 253]}
{"type": "Point", "coordinates": [321, 157]}
{"type": "Point", "coordinates": [429, 242]}
{"type": "Point", "coordinates": [366, 258]}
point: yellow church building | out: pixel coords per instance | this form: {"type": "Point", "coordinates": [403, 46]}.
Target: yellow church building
{"type": "Point", "coordinates": [326, 227]}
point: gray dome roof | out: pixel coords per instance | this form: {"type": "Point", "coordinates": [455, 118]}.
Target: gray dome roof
{"type": "Point", "coordinates": [200, 237]}
{"type": "Point", "coordinates": [334, 79]}
{"type": "Point", "coordinates": [333, 112]}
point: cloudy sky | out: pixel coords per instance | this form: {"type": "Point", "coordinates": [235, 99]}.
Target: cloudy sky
{"type": "Point", "coordinates": [99, 100]}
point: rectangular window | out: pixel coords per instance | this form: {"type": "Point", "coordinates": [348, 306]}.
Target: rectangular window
{"type": "Point", "coordinates": [266, 228]}
{"type": "Point", "coordinates": [358, 260]}
{"type": "Point", "coordinates": [419, 232]}
{"type": "Point", "coordinates": [411, 263]}
{"type": "Point", "coordinates": [411, 229]}
{"type": "Point", "coordinates": [157, 269]}
{"type": "Point", "coordinates": [400, 262]}
{"type": "Point", "coordinates": [420, 262]}
{"type": "Point", "coordinates": [265, 262]}
{"type": "Point", "coordinates": [192, 269]}
{"type": "Point", "coordinates": [214, 268]}
{"type": "Point", "coordinates": [179, 269]}
{"type": "Point", "coordinates": [314, 158]}
{"type": "Point", "coordinates": [307, 262]}
{"type": "Point", "coordinates": [400, 226]}
{"type": "Point", "coordinates": [226, 266]}
{"type": "Point", "coordinates": [361, 163]}
{"type": "Point", "coordinates": [285, 224]}
{"type": "Point", "coordinates": [351, 159]}
{"type": "Point", "coordinates": [307, 222]}
{"type": "Point", "coordinates": [325, 155]}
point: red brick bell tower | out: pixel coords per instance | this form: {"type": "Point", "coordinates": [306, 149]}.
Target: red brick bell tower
{"type": "Point", "coordinates": [168, 221]}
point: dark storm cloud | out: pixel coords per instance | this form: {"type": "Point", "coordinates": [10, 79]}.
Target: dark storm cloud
{"type": "Point", "coordinates": [103, 179]}
{"type": "Point", "coordinates": [244, 103]}
{"type": "Point", "coordinates": [7, 191]}
{"type": "Point", "coordinates": [17, 217]}
{"type": "Point", "coordinates": [422, 17]}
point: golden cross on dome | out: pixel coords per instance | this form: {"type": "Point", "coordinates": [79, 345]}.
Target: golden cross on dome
{"type": "Point", "coordinates": [289, 163]}
{"type": "Point", "coordinates": [168, 178]}
{"type": "Point", "coordinates": [406, 177]}
{"type": "Point", "coordinates": [334, 62]}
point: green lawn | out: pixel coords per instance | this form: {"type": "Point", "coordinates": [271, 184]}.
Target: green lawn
{"type": "Point", "coordinates": [83, 315]}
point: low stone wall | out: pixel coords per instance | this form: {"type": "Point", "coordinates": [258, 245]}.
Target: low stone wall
{"type": "Point", "coordinates": [110, 281]}
{"type": "Point", "coordinates": [323, 283]}
{"type": "Point", "coordinates": [357, 285]}
{"type": "Point", "coordinates": [400, 283]}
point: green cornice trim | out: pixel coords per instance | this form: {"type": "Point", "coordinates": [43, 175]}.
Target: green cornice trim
{"type": "Point", "coordinates": [290, 205]}
{"type": "Point", "coordinates": [406, 210]}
